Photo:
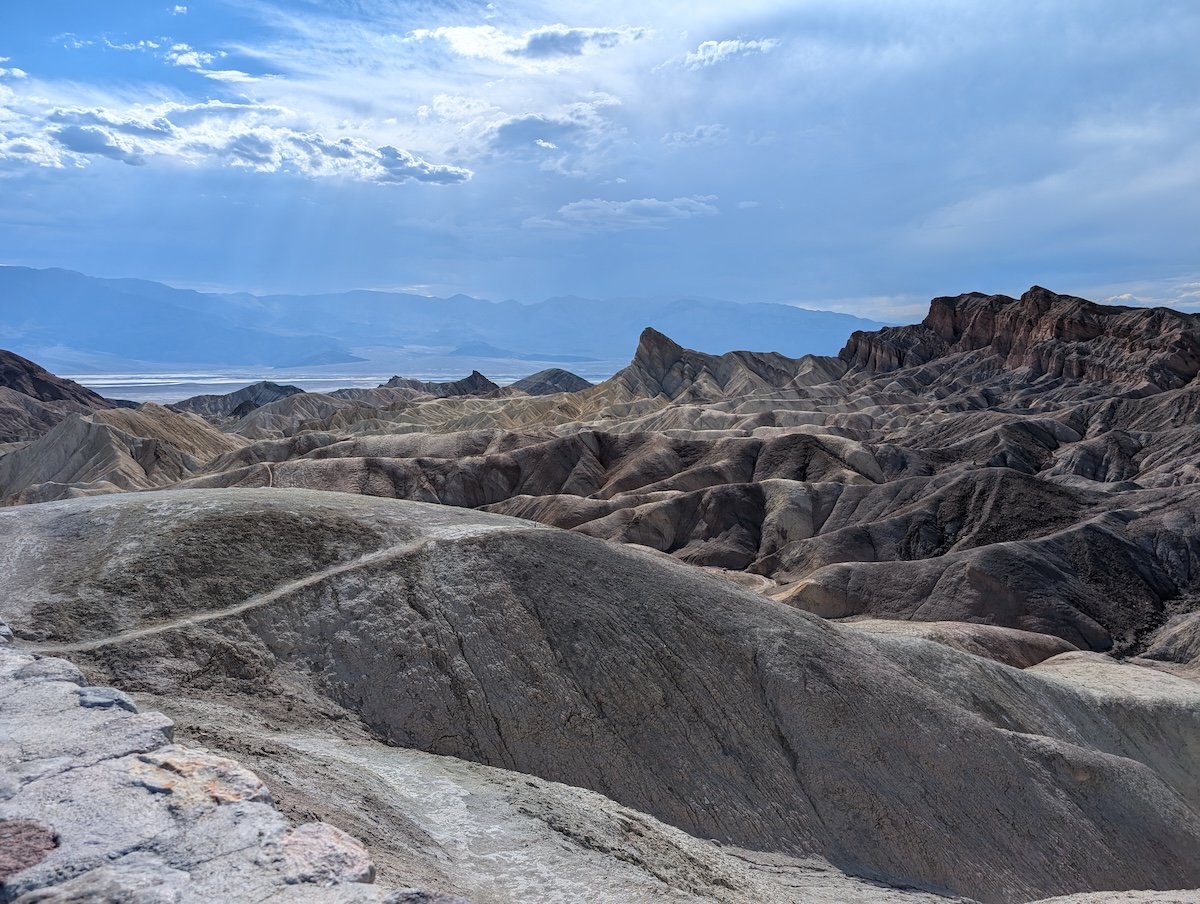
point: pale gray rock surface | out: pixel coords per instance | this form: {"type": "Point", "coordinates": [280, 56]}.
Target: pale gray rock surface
{"type": "Point", "coordinates": [500, 837]}
{"type": "Point", "coordinates": [97, 805]}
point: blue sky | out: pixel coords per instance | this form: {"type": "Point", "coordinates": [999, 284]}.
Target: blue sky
{"type": "Point", "coordinates": [857, 156]}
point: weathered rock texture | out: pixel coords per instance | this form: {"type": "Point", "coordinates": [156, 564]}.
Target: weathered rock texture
{"type": "Point", "coordinates": [714, 709]}
{"type": "Point", "coordinates": [97, 805]}
{"type": "Point", "coordinates": [23, 376]}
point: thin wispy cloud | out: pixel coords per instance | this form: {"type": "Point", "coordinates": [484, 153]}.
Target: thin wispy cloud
{"type": "Point", "coordinates": [598, 215]}
{"type": "Point", "coordinates": [710, 53]}
{"type": "Point", "coordinates": [710, 134]}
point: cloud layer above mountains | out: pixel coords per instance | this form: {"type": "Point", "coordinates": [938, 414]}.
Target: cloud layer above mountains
{"type": "Point", "coordinates": [860, 155]}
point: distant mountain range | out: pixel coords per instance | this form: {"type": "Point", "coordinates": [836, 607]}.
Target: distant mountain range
{"type": "Point", "coordinates": [81, 323]}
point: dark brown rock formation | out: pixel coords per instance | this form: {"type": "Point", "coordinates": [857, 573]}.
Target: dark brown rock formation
{"type": "Point", "coordinates": [1048, 334]}
{"type": "Point", "coordinates": [25, 377]}
{"type": "Point", "coordinates": [33, 400]}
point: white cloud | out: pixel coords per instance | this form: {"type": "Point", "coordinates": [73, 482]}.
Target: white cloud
{"type": "Point", "coordinates": [142, 46]}
{"type": "Point", "coordinates": [179, 11]}
{"type": "Point", "coordinates": [228, 75]}
{"type": "Point", "coordinates": [456, 108]}
{"type": "Point", "coordinates": [185, 55]}
{"type": "Point", "coordinates": [401, 166]}
{"type": "Point", "coordinates": [1181, 293]}
{"type": "Point", "coordinates": [545, 144]}
{"type": "Point", "coordinates": [71, 41]}
{"type": "Point", "coordinates": [597, 215]}
{"type": "Point", "coordinates": [711, 53]}
{"type": "Point", "coordinates": [701, 135]}
{"type": "Point", "coordinates": [747, 205]}
{"type": "Point", "coordinates": [14, 72]}
{"type": "Point", "coordinates": [30, 150]}
{"type": "Point", "coordinates": [259, 137]}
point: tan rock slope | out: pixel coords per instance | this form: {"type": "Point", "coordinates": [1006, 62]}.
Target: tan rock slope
{"type": "Point", "coordinates": [714, 709]}
{"type": "Point", "coordinates": [111, 451]}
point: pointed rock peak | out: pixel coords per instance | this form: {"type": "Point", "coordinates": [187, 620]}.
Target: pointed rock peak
{"type": "Point", "coordinates": [476, 382]}
{"type": "Point", "coordinates": [653, 346]}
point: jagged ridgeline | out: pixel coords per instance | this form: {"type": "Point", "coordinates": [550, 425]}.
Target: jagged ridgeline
{"type": "Point", "coordinates": [928, 609]}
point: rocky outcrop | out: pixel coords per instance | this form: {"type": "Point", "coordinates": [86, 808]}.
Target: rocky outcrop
{"type": "Point", "coordinates": [827, 519]}
{"type": "Point", "coordinates": [98, 804]}
{"type": "Point", "coordinates": [237, 403]}
{"type": "Point", "coordinates": [1049, 335]}
{"type": "Point", "coordinates": [474, 384]}
{"type": "Point", "coordinates": [662, 367]}
{"type": "Point", "coordinates": [713, 709]}
{"type": "Point", "coordinates": [550, 381]}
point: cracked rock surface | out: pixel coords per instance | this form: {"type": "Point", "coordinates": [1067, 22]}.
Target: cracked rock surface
{"type": "Point", "coordinates": [97, 805]}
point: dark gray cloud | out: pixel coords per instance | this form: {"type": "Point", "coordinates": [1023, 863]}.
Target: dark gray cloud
{"type": "Point", "coordinates": [93, 141]}
{"type": "Point", "coordinates": [401, 166]}
{"type": "Point", "coordinates": [158, 127]}
{"type": "Point", "coordinates": [560, 41]}
{"type": "Point", "coordinates": [521, 133]}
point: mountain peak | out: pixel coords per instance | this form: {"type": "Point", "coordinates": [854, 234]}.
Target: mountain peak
{"type": "Point", "coordinates": [656, 352]}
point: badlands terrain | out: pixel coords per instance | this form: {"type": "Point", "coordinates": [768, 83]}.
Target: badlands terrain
{"type": "Point", "coordinates": [917, 622]}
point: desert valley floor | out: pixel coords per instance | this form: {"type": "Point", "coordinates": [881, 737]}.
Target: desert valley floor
{"type": "Point", "coordinates": [918, 622]}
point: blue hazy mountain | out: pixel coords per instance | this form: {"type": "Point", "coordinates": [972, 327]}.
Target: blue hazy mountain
{"type": "Point", "coordinates": [63, 315]}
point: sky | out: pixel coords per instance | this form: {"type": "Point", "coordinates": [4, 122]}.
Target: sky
{"type": "Point", "coordinates": [853, 155]}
